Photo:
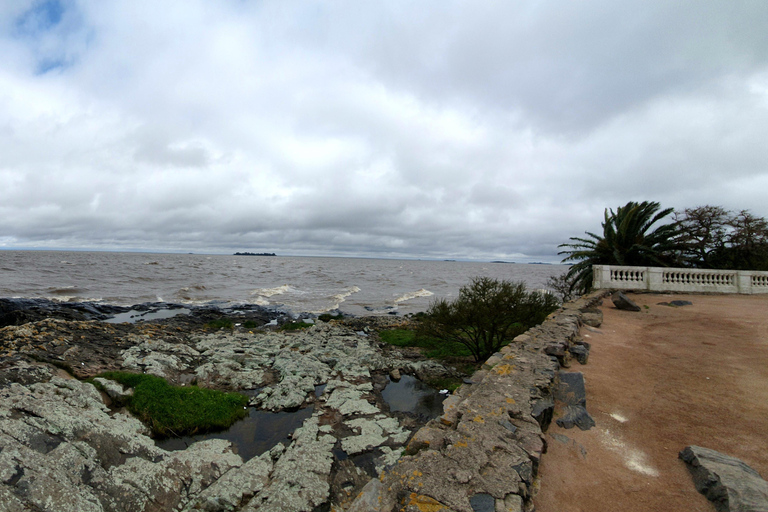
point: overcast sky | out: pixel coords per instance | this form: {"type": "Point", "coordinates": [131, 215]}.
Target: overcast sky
{"type": "Point", "coordinates": [431, 129]}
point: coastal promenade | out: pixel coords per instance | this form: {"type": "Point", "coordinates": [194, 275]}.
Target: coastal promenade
{"type": "Point", "coordinates": [657, 381]}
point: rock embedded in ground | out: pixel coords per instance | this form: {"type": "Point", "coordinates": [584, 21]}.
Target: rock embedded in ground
{"type": "Point", "coordinates": [623, 302]}
{"type": "Point", "coordinates": [592, 317]}
{"type": "Point", "coordinates": [729, 483]}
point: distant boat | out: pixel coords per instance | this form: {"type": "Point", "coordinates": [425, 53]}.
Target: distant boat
{"type": "Point", "coordinates": [255, 254]}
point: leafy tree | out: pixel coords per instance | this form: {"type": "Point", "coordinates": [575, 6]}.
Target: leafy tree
{"type": "Point", "coordinates": [487, 314]}
{"type": "Point", "coordinates": [712, 237]}
{"type": "Point", "coordinates": [563, 286]}
{"type": "Point", "coordinates": [702, 234]}
{"type": "Point", "coordinates": [627, 239]}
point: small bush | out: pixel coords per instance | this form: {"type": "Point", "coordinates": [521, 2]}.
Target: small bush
{"type": "Point", "coordinates": [251, 324]}
{"type": "Point", "coordinates": [487, 314]}
{"type": "Point", "coordinates": [173, 410]}
{"type": "Point", "coordinates": [220, 323]}
{"type": "Point", "coordinates": [294, 326]}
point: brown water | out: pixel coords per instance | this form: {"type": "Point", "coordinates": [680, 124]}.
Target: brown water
{"type": "Point", "coordinates": [303, 284]}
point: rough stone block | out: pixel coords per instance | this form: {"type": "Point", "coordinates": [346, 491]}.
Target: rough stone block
{"type": "Point", "coordinates": [729, 483]}
{"type": "Point", "coordinates": [621, 301]}
{"type": "Point", "coordinates": [576, 416]}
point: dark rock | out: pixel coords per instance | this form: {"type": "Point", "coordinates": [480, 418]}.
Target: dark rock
{"type": "Point", "coordinates": [580, 352]}
{"type": "Point", "coordinates": [576, 416]}
{"type": "Point", "coordinates": [592, 317]}
{"type": "Point", "coordinates": [482, 502]}
{"type": "Point", "coordinates": [679, 303]}
{"type": "Point", "coordinates": [542, 412]}
{"type": "Point", "coordinates": [508, 425]}
{"type": "Point", "coordinates": [621, 301]}
{"type": "Point", "coordinates": [571, 390]}
{"type": "Point", "coordinates": [726, 481]}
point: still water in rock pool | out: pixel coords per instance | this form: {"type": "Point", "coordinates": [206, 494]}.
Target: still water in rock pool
{"type": "Point", "coordinates": [251, 436]}
{"type": "Point", "coordinates": [411, 395]}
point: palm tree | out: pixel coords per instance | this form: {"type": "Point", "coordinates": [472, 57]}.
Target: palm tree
{"type": "Point", "coordinates": [626, 240]}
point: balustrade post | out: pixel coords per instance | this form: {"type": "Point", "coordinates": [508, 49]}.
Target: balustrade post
{"type": "Point", "coordinates": [654, 281]}
{"type": "Point", "coordinates": [599, 276]}
{"type": "Point", "coordinates": [744, 281]}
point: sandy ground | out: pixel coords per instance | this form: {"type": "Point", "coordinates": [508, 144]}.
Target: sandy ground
{"type": "Point", "coordinates": [657, 381]}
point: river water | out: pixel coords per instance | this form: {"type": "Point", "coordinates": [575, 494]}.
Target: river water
{"type": "Point", "coordinates": [355, 286]}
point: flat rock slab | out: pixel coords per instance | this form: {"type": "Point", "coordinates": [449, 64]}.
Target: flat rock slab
{"type": "Point", "coordinates": [726, 481]}
{"type": "Point", "coordinates": [571, 390]}
{"type": "Point", "coordinates": [621, 301]}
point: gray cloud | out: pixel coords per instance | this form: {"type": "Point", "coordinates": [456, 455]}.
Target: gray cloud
{"type": "Point", "coordinates": [490, 130]}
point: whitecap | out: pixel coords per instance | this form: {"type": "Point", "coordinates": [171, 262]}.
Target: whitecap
{"type": "Point", "coordinates": [339, 298]}
{"type": "Point", "coordinates": [413, 295]}
{"type": "Point", "coordinates": [269, 292]}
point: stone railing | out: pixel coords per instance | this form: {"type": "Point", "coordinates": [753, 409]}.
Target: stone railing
{"type": "Point", "coordinates": [668, 279]}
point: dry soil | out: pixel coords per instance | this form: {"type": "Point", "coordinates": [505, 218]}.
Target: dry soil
{"type": "Point", "coordinates": [657, 381]}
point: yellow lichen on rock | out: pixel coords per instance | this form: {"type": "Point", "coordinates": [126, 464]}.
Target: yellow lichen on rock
{"type": "Point", "coordinates": [425, 503]}
{"type": "Point", "coordinates": [503, 369]}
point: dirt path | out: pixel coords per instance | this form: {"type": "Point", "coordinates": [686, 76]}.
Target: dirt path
{"type": "Point", "coordinates": [657, 381]}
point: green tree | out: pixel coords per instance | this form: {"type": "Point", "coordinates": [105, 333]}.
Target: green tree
{"type": "Point", "coordinates": [627, 239]}
{"type": "Point", "coordinates": [487, 314]}
{"type": "Point", "coordinates": [712, 237]}
{"type": "Point", "coordinates": [746, 246]}
{"type": "Point", "coordinates": [702, 234]}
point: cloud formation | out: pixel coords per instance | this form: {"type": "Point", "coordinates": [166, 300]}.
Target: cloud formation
{"type": "Point", "coordinates": [490, 130]}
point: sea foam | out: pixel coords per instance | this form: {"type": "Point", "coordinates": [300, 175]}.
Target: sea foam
{"type": "Point", "coordinates": [413, 295]}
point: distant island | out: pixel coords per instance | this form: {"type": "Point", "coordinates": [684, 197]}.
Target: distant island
{"type": "Point", "coordinates": [255, 254]}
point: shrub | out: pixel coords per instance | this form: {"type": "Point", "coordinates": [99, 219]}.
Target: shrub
{"type": "Point", "coordinates": [294, 326]}
{"type": "Point", "coordinates": [173, 410]}
{"type": "Point", "coordinates": [487, 314]}
{"type": "Point", "coordinates": [220, 323]}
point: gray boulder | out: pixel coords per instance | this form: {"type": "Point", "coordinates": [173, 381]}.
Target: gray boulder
{"type": "Point", "coordinates": [726, 481]}
{"type": "Point", "coordinates": [621, 301]}
{"type": "Point", "coordinates": [592, 317]}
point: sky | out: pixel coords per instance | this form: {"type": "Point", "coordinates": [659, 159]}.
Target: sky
{"type": "Point", "coordinates": [489, 130]}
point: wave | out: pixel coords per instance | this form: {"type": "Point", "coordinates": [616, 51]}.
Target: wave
{"type": "Point", "coordinates": [340, 297]}
{"type": "Point", "coordinates": [413, 295]}
{"type": "Point", "coordinates": [64, 290]}
{"type": "Point", "coordinates": [269, 292]}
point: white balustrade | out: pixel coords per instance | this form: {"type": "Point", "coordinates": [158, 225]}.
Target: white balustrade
{"type": "Point", "coordinates": [667, 279]}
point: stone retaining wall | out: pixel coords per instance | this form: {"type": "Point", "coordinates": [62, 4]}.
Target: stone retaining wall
{"type": "Point", "coordinates": [483, 453]}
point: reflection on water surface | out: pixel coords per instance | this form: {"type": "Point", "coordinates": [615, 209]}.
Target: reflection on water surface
{"type": "Point", "coordinates": [251, 436]}
{"type": "Point", "coordinates": [409, 394]}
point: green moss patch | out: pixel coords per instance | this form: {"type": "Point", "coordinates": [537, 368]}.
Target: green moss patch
{"type": "Point", "coordinates": [294, 326]}
{"type": "Point", "coordinates": [431, 347]}
{"type": "Point", "coordinates": [221, 323]}
{"type": "Point", "coordinates": [175, 411]}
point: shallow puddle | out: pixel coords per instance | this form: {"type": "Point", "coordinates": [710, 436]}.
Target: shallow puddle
{"type": "Point", "coordinates": [251, 436]}
{"type": "Point", "coordinates": [134, 316]}
{"type": "Point", "coordinates": [411, 395]}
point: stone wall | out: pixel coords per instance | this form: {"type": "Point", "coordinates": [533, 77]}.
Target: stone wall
{"type": "Point", "coordinates": [483, 453]}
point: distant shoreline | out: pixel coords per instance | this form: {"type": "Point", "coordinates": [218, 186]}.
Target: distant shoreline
{"type": "Point", "coordinates": [255, 254]}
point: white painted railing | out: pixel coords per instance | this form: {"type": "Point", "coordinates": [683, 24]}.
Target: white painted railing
{"type": "Point", "coordinates": [667, 279]}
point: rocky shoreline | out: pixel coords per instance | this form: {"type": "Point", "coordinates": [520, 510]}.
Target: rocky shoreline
{"type": "Point", "coordinates": [64, 446]}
